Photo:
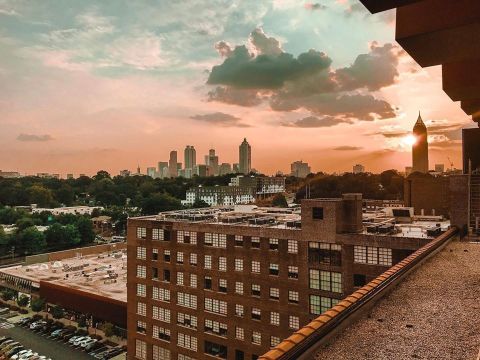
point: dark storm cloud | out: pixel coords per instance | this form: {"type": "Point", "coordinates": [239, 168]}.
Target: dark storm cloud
{"type": "Point", "coordinates": [34, 138]}
{"type": "Point", "coordinates": [220, 119]}
{"type": "Point", "coordinates": [315, 122]}
{"type": "Point", "coordinates": [307, 81]}
{"type": "Point", "coordinates": [347, 148]}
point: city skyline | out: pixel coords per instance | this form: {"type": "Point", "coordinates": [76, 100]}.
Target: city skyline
{"type": "Point", "coordinates": [190, 91]}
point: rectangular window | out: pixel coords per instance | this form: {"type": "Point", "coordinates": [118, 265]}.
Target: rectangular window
{"type": "Point", "coordinates": [222, 285]}
{"type": "Point", "coordinates": [385, 256]}
{"type": "Point", "coordinates": [293, 296]}
{"type": "Point", "coordinates": [292, 246]}
{"type": "Point", "coordinates": [208, 262]}
{"type": "Point", "coordinates": [154, 254]}
{"type": "Point", "coordinates": [161, 294]}
{"type": "Point", "coordinates": [293, 322]}
{"type": "Point", "coordinates": [179, 257]}
{"type": "Point", "coordinates": [273, 244]}
{"type": "Point", "coordinates": [256, 314]}
{"type": "Point", "coordinates": [216, 306]}
{"type": "Point", "coordinates": [273, 269]}
{"type": "Point", "coordinates": [187, 320]}
{"type": "Point", "coordinates": [161, 314]}
{"type": "Point", "coordinates": [187, 341]}
{"type": "Point", "coordinates": [255, 242]}
{"type": "Point", "coordinates": [320, 304]}
{"type": "Point", "coordinates": [274, 341]}
{"type": "Point", "coordinates": [166, 275]}
{"type": "Point", "coordinates": [256, 338]}
{"type": "Point", "coordinates": [160, 353]}
{"type": "Point", "coordinates": [180, 278]}
{"type": "Point", "coordinates": [216, 350]}
{"type": "Point", "coordinates": [207, 283]}
{"type": "Point", "coordinates": [275, 318]}
{"type": "Point", "coordinates": [141, 290]}
{"type": "Point", "coordinates": [292, 272]}
{"type": "Point", "coordinates": [160, 333]}
{"type": "Point", "coordinates": [141, 327]}
{"type": "Point", "coordinates": [317, 213]}
{"type": "Point", "coordinates": [239, 288]}
{"type": "Point", "coordinates": [141, 309]}
{"type": "Point", "coordinates": [274, 293]}
{"type": "Point", "coordinates": [141, 233]}
{"type": "Point", "coordinates": [238, 264]}
{"type": "Point", "coordinates": [187, 300]}
{"type": "Point", "coordinates": [372, 255]}
{"type": "Point", "coordinates": [239, 240]}
{"type": "Point", "coordinates": [256, 267]}
{"type": "Point", "coordinates": [141, 252]}
{"type": "Point", "coordinates": [166, 255]}
{"type": "Point", "coordinates": [215, 327]}
{"type": "Point", "coordinates": [239, 310]}
{"type": "Point", "coordinates": [239, 333]}
{"type": "Point", "coordinates": [324, 253]}
{"type": "Point", "coordinates": [193, 259]}
{"type": "Point", "coordinates": [216, 240]}
{"type": "Point", "coordinates": [157, 234]}
{"type": "Point", "coordinates": [222, 263]}
{"type": "Point", "coordinates": [325, 280]}
{"type": "Point", "coordinates": [193, 280]}
{"type": "Point", "coordinates": [141, 271]}
{"type": "Point", "coordinates": [255, 290]}
{"type": "Point", "coordinates": [140, 349]}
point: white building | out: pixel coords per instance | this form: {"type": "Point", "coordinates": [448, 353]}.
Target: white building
{"type": "Point", "coordinates": [75, 210]}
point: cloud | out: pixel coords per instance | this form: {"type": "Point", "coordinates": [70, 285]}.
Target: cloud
{"type": "Point", "coordinates": [307, 81]}
{"type": "Point", "coordinates": [315, 122]}
{"type": "Point", "coordinates": [223, 48]}
{"type": "Point", "coordinates": [229, 95]}
{"type": "Point", "coordinates": [220, 119]}
{"type": "Point", "coordinates": [373, 71]}
{"type": "Point", "coordinates": [348, 148]}
{"type": "Point", "coordinates": [34, 138]}
{"type": "Point", "coordinates": [263, 44]}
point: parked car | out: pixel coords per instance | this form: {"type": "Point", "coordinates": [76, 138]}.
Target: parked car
{"type": "Point", "coordinates": [98, 350]}
{"type": "Point", "coordinates": [37, 324]}
{"type": "Point", "coordinates": [81, 339]}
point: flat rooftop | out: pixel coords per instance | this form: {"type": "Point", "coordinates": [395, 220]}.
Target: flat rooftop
{"type": "Point", "coordinates": [290, 218]}
{"type": "Point", "coordinates": [433, 314]}
{"type": "Point", "coordinates": [104, 274]}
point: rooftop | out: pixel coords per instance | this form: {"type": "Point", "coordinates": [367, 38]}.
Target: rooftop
{"type": "Point", "coordinates": [433, 314]}
{"type": "Point", "coordinates": [104, 274]}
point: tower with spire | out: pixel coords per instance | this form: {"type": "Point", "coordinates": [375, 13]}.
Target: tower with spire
{"type": "Point", "coordinates": [420, 147]}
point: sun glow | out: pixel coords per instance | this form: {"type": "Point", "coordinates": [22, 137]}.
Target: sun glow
{"type": "Point", "coordinates": [409, 140]}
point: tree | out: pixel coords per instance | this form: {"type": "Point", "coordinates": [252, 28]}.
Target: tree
{"type": "Point", "coordinates": [82, 321]}
{"type": "Point", "coordinates": [102, 174]}
{"type": "Point", "coordinates": [32, 241]}
{"type": "Point", "coordinates": [57, 312]}
{"type": "Point", "coordinates": [8, 294]}
{"type": "Point", "coordinates": [23, 223]}
{"type": "Point", "coordinates": [23, 301]}
{"type": "Point", "coordinates": [85, 229]}
{"type": "Point", "coordinates": [59, 236]}
{"type": "Point", "coordinates": [65, 194]}
{"type": "Point", "coordinates": [37, 304]}
{"type": "Point", "coordinates": [198, 203]}
{"type": "Point", "coordinates": [108, 329]}
{"type": "Point", "coordinates": [279, 200]}
{"type": "Point", "coordinates": [159, 202]}
{"type": "Point", "coordinates": [38, 194]}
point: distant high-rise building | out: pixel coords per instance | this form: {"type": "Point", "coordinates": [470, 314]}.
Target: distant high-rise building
{"type": "Point", "coordinates": [172, 164]}
{"type": "Point", "coordinates": [163, 171]}
{"type": "Point", "coordinates": [236, 168]}
{"type": "Point", "coordinates": [420, 147]}
{"type": "Point", "coordinates": [224, 169]}
{"type": "Point", "coordinates": [201, 170]}
{"type": "Point", "coordinates": [408, 170]}
{"type": "Point", "coordinates": [152, 172]}
{"type": "Point", "coordinates": [124, 173]}
{"type": "Point", "coordinates": [69, 176]}
{"type": "Point", "coordinates": [245, 157]}
{"type": "Point", "coordinates": [9, 174]}
{"type": "Point", "coordinates": [190, 157]}
{"type": "Point", "coordinates": [211, 160]}
{"type": "Point", "coordinates": [138, 170]}
{"type": "Point", "coordinates": [358, 169]}
{"type": "Point", "coordinates": [300, 169]}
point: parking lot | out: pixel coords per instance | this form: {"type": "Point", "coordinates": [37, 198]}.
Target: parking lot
{"type": "Point", "coordinates": [40, 340]}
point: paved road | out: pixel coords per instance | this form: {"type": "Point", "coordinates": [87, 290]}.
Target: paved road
{"type": "Point", "coordinates": [43, 346]}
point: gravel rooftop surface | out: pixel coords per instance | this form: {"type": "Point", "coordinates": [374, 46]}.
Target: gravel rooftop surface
{"type": "Point", "coordinates": [433, 314]}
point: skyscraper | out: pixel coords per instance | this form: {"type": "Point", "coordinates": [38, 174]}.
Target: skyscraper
{"type": "Point", "coordinates": [420, 147]}
{"type": "Point", "coordinates": [172, 164]}
{"type": "Point", "coordinates": [211, 160]}
{"type": "Point", "coordinates": [190, 156]}
{"type": "Point", "coordinates": [245, 157]}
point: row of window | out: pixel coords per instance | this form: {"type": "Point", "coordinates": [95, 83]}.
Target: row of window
{"type": "Point", "coordinates": [325, 280]}
{"type": "Point", "coordinates": [213, 239]}
{"type": "Point", "coordinates": [158, 352]}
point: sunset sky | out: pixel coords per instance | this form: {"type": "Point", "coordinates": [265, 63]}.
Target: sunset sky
{"type": "Point", "coordinates": [89, 85]}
